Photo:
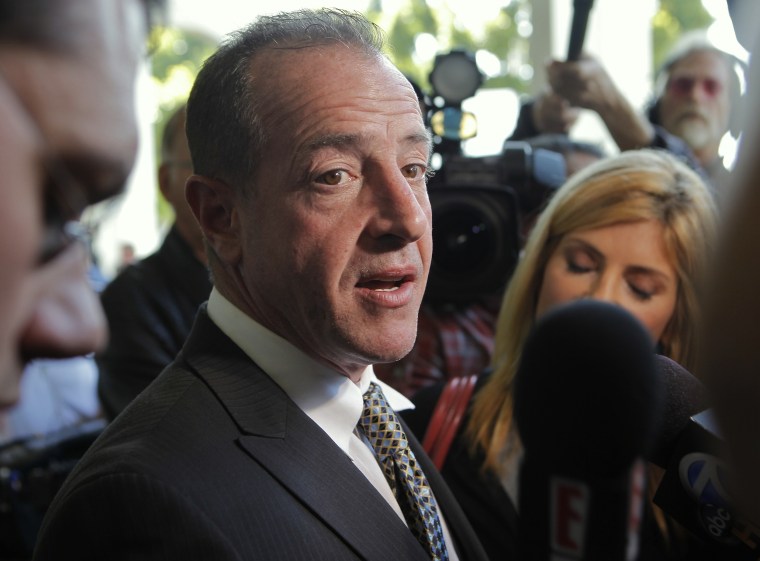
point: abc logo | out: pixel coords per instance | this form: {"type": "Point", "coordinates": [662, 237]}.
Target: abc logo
{"type": "Point", "coordinates": [702, 476]}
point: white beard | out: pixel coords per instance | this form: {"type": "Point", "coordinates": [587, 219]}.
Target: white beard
{"type": "Point", "coordinates": [695, 131]}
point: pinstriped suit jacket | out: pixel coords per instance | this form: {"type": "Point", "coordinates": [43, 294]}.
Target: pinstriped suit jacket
{"type": "Point", "coordinates": [213, 461]}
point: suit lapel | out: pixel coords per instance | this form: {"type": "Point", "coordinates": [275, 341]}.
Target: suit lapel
{"type": "Point", "coordinates": [316, 471]}
{"type": "Point", "coordinates": [295, 451]}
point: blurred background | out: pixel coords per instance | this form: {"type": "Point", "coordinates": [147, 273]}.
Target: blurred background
{"type": "Point", "coordinates": [510, 41]}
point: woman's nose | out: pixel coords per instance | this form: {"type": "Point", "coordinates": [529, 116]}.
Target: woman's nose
{"type": "Point", "coordinates": [604, 289]}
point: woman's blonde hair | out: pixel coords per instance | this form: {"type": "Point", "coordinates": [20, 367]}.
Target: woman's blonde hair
{"type": "Point", "coordinates": [629, 187]}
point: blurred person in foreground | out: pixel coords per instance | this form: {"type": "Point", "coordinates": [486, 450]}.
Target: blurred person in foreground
{"type": "Point", "coordinates": [69, 137]}
{"type": "Point", "coordinates": [633, 229]}
{"type": "Point", "coordinates": [696, 89]}
{"type": "Point", "coordinates": [259, 441]}
{"type": "Point", "coordinates": [731, 361]}
{"type": "Point", "coordinates": [150, 306]}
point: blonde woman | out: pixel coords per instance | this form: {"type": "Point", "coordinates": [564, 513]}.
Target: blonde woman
{"type": "Point", "coordinates": [634, 229]}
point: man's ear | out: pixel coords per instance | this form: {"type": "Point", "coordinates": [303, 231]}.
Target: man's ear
{"type": "Point", "coordinates": [214, 204]}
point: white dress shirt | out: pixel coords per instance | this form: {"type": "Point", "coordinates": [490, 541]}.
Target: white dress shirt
{"type": "Point", "coordinates": [328, 398]}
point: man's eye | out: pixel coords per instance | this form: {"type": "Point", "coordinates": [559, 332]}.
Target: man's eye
{"type": "Point", "coordinates": [414, 171]}
{"type": "Point", "coordinates": [333, 177]}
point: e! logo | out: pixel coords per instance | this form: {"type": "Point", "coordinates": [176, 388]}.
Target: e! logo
{"type": "Point", "coordinates": [569, 516]}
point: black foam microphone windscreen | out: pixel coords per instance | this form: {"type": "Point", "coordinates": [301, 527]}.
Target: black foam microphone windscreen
{"type": "Point", "coordinates": [685, 396]}
{"type": "Point", "coordinates": [587, 404]}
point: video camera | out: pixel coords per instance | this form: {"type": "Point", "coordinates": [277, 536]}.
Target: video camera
{"type": "Point", "coordinates": [32, 470]}
{"type": "Point", "coordinates": [478, 203]}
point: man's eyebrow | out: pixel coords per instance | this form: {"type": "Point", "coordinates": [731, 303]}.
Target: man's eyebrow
{"type": "Point", "coordinates": [425, 138]}
{"type": "Point", "coordinates": [333, 141]}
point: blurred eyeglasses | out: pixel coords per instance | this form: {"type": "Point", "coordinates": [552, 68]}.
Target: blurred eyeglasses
{"type": "Point", "coordinates": [682, 86]}
{"type": "Point", "coordinates": [65, 199]}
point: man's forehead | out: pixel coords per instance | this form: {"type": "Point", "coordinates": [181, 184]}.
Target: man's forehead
{"type": "Point", "coordinates": [707, 62]}
{"type": "Point", "coordinates": [335, 67]}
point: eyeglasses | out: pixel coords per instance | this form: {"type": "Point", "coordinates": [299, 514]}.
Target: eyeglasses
{"type": "Point", "coordinates": [64, 197]}
{"type": "Point", "coordinates": [682, 86]}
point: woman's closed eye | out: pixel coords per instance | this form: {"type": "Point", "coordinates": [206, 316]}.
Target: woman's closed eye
{"type": "Point", "coordinates": [580, 262]}
{"type": "Point", "coordinates": [644, 285]}
{"type": "Point", "coordinates": [640, 293]}
{"type": "Point", "coordinates": [574, 267]}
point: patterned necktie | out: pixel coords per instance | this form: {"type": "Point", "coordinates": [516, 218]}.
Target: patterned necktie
{"type": "Point", "coordinates": [405, 476]}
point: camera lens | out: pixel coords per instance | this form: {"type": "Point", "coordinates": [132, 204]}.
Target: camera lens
{"type": "Point", "coordinates": [463, 239]}
{"type": "Point", "coordinates": [475, 241]}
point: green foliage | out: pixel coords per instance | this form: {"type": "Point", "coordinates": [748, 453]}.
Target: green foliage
{"type": "Point", "coordinates": [501, 33]}
{"type": "Point", "coordinates": [462, 39]}
{"type": "Point", "coordinates": [175, 61]}
{"type": "Point", "coordinates": [673, 19]}
{"type": "Point", "coordinates": [411, 21]}
{"type": "Point", "coordinates": [503, 39]}
{"type": "Point", "coordinates": [500, 37]}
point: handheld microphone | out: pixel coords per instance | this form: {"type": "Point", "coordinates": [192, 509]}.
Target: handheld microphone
{"type": "Point", "coordinates": [685, 396]}
{"type": "Point", "coordinates": [695, 490]}
{"type": "Point", "coordinates": [581, 10]}
{"type": "Point", "coordinates": [587, 403]}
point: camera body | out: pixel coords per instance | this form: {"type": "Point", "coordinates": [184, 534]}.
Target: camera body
{"type": "Point", "coordinates": [32, 471]}
{"type": "Point", "coordinates": [478, 206]}
{"type": "Point", "coordinates": [478, 203]}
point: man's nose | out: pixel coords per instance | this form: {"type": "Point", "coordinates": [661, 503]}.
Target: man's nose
{"type": "Point", "coordinates": [402, 211]}
{"type": "Point", "coordinates": [66, 319]}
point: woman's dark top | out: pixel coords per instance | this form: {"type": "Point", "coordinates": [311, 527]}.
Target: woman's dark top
{"type": "Point", "coordinates": [481, 495]}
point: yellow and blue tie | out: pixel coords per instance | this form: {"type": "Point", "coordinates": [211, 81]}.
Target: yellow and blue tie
{"type": "Point", "coordinates": [404, 474]}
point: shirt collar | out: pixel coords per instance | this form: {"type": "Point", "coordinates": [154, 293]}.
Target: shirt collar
{"type": "Point", "coordinates": [329, 398]}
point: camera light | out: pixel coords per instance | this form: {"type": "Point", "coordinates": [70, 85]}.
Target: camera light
{"type": "Point", "coordinates": [454, 124]}
{"type": "Point", "coordinates": [455, 76]}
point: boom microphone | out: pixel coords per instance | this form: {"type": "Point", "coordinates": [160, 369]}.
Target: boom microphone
{"type": "Point", "coordinates": [587, 404]}
{"type": "Point", "coordinates": [581, 10]}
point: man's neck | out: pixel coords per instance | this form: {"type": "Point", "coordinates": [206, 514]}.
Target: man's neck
{"type": "Point", "coordinates": [707, 156]}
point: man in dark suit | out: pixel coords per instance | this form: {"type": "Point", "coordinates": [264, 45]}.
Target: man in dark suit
{"type": "Point", "coordinates": [151, 304]}
{"type": "Point", "coordinates": [310, 159]}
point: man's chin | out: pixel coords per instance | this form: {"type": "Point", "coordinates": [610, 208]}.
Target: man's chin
{"type": "Point", "coordinates": [694, 132]}
{"type": "Point", "coordinates": [393, 350]}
